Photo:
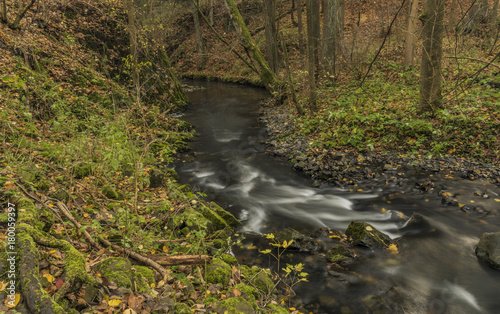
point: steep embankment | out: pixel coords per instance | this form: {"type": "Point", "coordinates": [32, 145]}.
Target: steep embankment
{"type": "Point", "coordinates": [93, 220]}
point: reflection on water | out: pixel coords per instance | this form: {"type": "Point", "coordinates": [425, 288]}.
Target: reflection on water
{"type": "Point", "coordinates": [436, 269]}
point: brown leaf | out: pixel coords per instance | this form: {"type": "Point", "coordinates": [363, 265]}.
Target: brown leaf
{"type": "Point", "coordinates": [135, 302]}
{"type": "Point", "coordinates": [237, 293]}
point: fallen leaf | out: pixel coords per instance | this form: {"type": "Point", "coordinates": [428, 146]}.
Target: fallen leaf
{"type": "Point", "coordinates": [49, 277]}
{"type": "Point", "coordinates": [114, 303]}
{"type": "Point", "coordinates": [368, 228]}
{"type": "Point", "coordinates": [12, 301]}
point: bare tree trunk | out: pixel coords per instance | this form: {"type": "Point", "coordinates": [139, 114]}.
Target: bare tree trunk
{"type": "Point", "coordinates": [430, 74]}
{"type": "Point", "coordinates": [211, 13]}
{"type": "Point", "coordinates": [410, 37]}
{"type": "Point", "coordinates": [332, 31]}
{"type": "Point", "coordinates": [266, 75]}
{"type": "Point", "coordinates": [199, 38]}
{"type": "Point", "coordinates": [312, 48]}
{"type": "Point", "coordinates": [133, 50]}
{"type": "Point", "coordinates": [453, 15]}
{"type": "Point", "coordinates": [477, 14]}
{"type": "Point", "coordinates": [300, 28]}
{"type": "Point", "coordinates": [269, 8]}
{"type": "Point", "coordinates": [19, 17]}
{"type": "Point", "coordinates": [493, 18]}
{"type": "Point", "coordinates": [313, 30]}
{"type": "Point", "coordinates": [3, 13]}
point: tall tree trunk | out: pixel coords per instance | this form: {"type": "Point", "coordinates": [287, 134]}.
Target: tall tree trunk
{"type": "Point", "coordinates": [211, 12]}
{"type": "Point", "coordinates": [313, 30]}
{"type": "Point", "coordinates": [430, 74]}
{"type": "Point", "coordinates": [493, 19]}
{"type": "Point", "coordinates": [199, 38]}
{"type": "Point", "coordinates": [3, 13]}
{"type": "Point", "coordinates": [133, 50]}
{"type": "Point", "coordinates": [291, 13]}
{"type": "Point", "coordinates": [266, 75]}
{"type": "Point", "coordinates": [269, 8]}
{"type": "Point", "coordinates": [312, 48]}
{"type": "Point", "coordinates": [410, 36]}
{"type": "Point", "coordinates": [300, 26]}
{"type": "Point", "coordinates": [332, 33]}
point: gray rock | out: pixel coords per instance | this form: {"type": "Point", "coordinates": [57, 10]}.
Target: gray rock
{"type": "Point", "coordinates": [364, 234]}
{"type": "Point", "coordinates": [488, 249]}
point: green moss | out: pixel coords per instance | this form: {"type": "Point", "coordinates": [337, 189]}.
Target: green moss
{"type": "Point", "coordinates": [61, 195]}
{"type": "Point", "coordinates": [229, 259]}
{"type": "Point", "coordinates": [251, 293]}
{"type": "Point", "coordinates": [210, 300]}
{"type": "Point", "coordinates": [276, 309]}
{"type": "Point", "coordinates": [258, 277]}
{"type": "Point", "coordinates": [339, 254]}
{"type": "Point", "coordinates": [82, 170]}
{"type": "Point", "coordinates": [111, 193]}
{"type": "Point", "coordinates": [43, 186]}
{"type": "Point", "coordinates": [146, 273]}
{"type": "Point", "coordinates": [192, 220]}
{"type": "Point", "coordinates": [181, 308]}
{"type": "Point", "coordinates": [364, 234]}
{"type": "Point", "coordinates": [238, 306]}
{"type": "Point", "coordinates": [219, 272]}
{"type": "Point", "coordinates": [116, 269]}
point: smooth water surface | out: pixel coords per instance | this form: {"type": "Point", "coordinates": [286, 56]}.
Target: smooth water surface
{"type": "Point", "coordinates": [436, 270]}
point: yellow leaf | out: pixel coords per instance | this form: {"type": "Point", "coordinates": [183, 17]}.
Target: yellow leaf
{"type": "Point", "coordinates": [368, 228]}
{"type": "Point", "coordinates": [85, 215]}
{"type": "Point", "coordinates": [497, 200]}
{"type": "Point", "coordinates": [384, 210]}
{"type": "Point", "coordinates": [140, 247]}
{"type": "Point", "coordinates": [114, 303]}
{"type": "Point", "coordinates": [60, 89]}
{"type": "Point", "coordinates": [3, 285]}
{"type": "Point", "coordinates": [49, 277]}
{"type": "Point", "coordinates": [393, 249]}
{"type": "Point", "coordinates": [165, 249]}
{"type": "Point", "coordinates": [292, 309]}
{"type": "Point", "coordinates": [12, 300]}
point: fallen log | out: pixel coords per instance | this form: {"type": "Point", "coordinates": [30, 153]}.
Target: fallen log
{"type": "Point", "coordinates": [181, 259]}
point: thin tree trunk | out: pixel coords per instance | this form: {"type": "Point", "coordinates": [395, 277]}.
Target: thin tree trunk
{"type": "Point", "coordinates": [300, 27]}
{"type": "Point", "coordinates": [3, 14]}
{"type": "Point", "coordinates": [199, 38]}
{"type": "Point", "coordinates": [493, 19]}
{"type": "Point", "coordinates": [313, 30]}
{"type": "Point", "coordinates": [312, 48]}
{"type": "Point", "coordinates": [271, 40]}
{"type": "Point", "coordinates": [430, 74]}
{"type": "Point", "coordinates": [266, 75]}
{"type": "Point", "coordinates": [410, 37]}
{"type": "Point", "coordinates": [291, 13]}
{"type": "Point", "coordinates": [133, 49]}
{"type": "Point", "coordinates": [298, 106]}
{"type": "Point", "coordinates": [211, 13]}
{"type": "Point", "coordinates": [333, 29]}
{"type": "Point", "coordinates": [21, 14]}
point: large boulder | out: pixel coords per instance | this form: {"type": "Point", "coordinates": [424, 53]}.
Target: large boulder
{"type": "Point", "coordinates": [488, 249]}
{"type": "Point", "coordinates": [364, 234]}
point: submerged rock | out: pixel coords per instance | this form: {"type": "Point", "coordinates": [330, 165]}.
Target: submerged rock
{"type": "Point", "coordinates": [341, 255]}
{"type": "Point", "coordinates": [364, 234]}
{"type": "Point", "coordinates": [488, 249]}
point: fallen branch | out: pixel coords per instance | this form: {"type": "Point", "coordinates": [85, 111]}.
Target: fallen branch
{"type": "Point", "coordinates": [138, 257]}
{"type": "Point", "coordinates": [181, 259]}
{"type": "Point", "coordinates": [474, 59]}
{"type": "Point", "coordinates": [68, 215]}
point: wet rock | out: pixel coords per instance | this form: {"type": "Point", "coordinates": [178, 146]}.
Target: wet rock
{"type": "Point", "coordinates": [364, 234]}
{"type": "Point", "coordinates": [341, 255]}
{"type": "Point", "coordinates": [488, 249]}
{"type": "Point", "coordinates": [417, 224]}
{"type": "Point", "coordinates": [449, 202]}
{"type": "Point", "coordinates": [300, 241]}
{"type": "Point", "coordinates": [156, 178]}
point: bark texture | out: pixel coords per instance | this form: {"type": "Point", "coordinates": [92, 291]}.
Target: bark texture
{"type": "Point", "coordinates": [432, 44]}
{"type": "Point", "coordinates": [410, 37]}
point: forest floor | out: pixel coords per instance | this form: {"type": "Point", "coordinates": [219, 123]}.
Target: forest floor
{"type": "Point", "coordinates": [366, 118]}
{"type": "Point", "coordinates": [97, 222]}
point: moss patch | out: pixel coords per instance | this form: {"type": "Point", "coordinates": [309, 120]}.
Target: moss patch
{"type": "Point", "coordinates": [219, 272]}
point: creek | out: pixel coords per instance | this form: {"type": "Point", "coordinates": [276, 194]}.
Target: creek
{"type": "Point", "coordinates": [436, 270]}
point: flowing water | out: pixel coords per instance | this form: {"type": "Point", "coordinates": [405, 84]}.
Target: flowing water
{"type": "Point", "coordinates": [436, 270]}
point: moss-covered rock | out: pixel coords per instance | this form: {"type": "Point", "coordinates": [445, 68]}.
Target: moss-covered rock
{"type": "Point", "coordinates": [488, 249]}
{"type": "Point", "coordinates": [82, 170]}
{"type": "Point", "coordinates": [119, 270]}
{"type": "Point", "coordinates": [146, 273]}
{"type": "Point", "coordinates": [192, 220]}
{"type": "Point", "coordinates": [260, 278]}
{"type": "Point", "coordinates": [364, 234]}
{"type": "Point", "coordinates": [237, 306]}
{"type": "Point", "coordinates": [219, 272]}
{"type": "Point", "coordinates": [249, 292]}
{"type": "Point", "coordinates": [276, 309]}
{"type": "Point", "coordinates": [219, 217]}
{"type": "Point", "coordinates": [111, 193]}
{"type": "Point", "coordinates": [61, 195]}
{"type": "Point", "coordinates": [341, 255]}
{"type": "Point", "coordinates": [229, 259]}
{"type": "Point", "coordinates": [299, 241]}
{"type": "Point", "coordinates": [42, 186]}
